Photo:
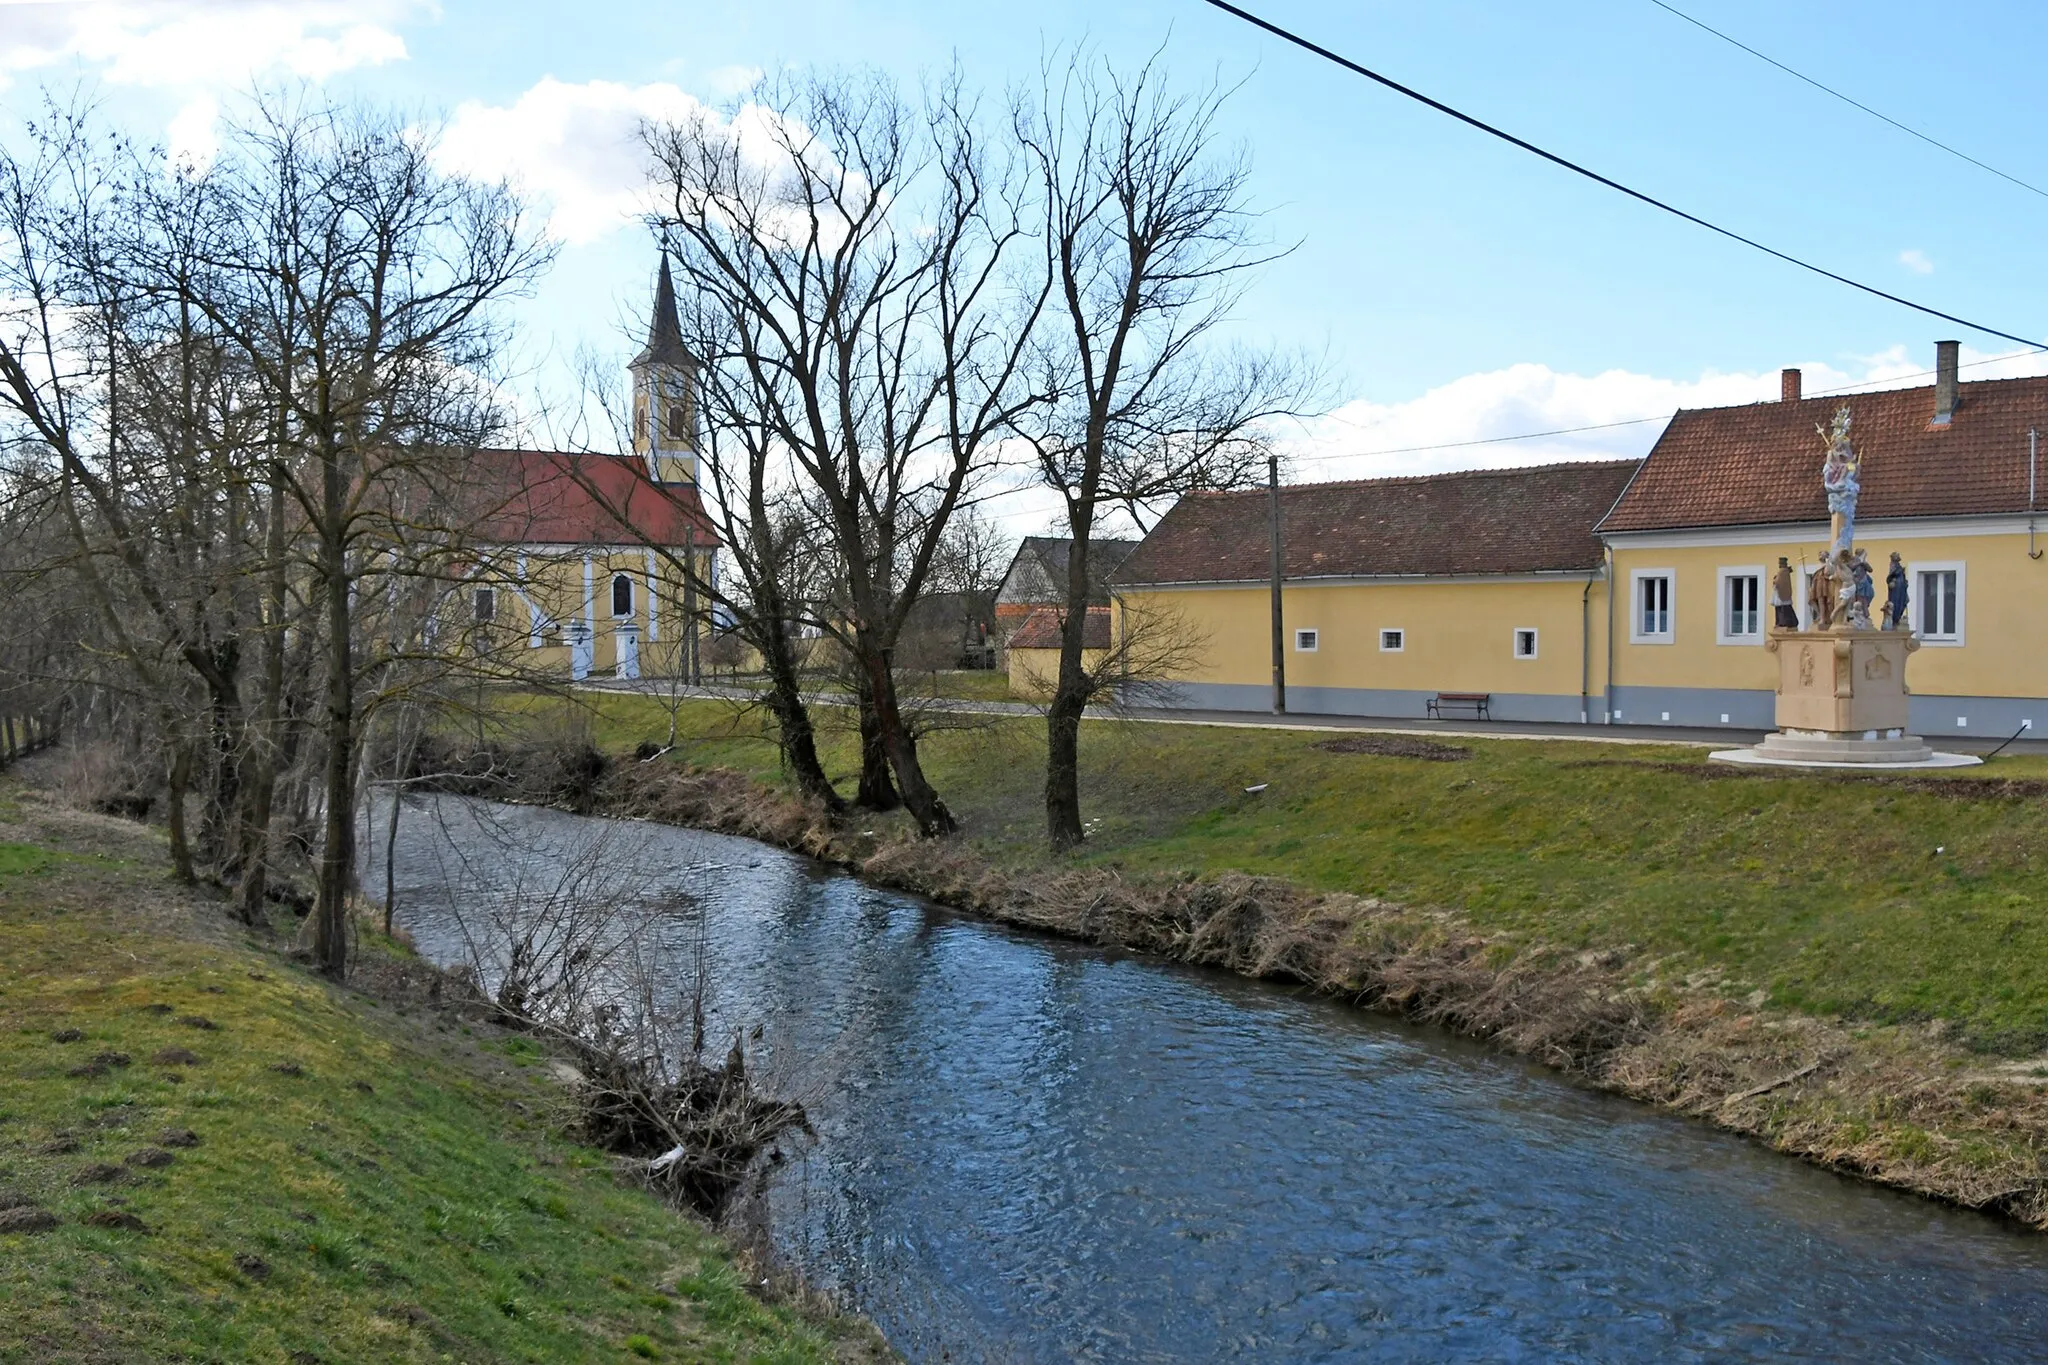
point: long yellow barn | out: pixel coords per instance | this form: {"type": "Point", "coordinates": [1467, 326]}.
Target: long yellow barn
{"type": "Point", "coordinates": [1636, 592]}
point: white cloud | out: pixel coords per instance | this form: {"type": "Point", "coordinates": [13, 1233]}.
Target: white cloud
{"type": "Point", "coordinates": [576, 146]}
{"type": "Point", "coordinates": [1916, 261]}
{"type": "Point", "coordinates": [203, 44]}
{"type": "Point", "coordinates": [726, 81]}
{"type": "Point", "coordinates": [1458, 425]}
{"type": "Point", "coordinates": [191, 141]}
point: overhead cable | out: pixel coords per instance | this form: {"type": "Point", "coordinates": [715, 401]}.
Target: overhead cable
{"type": "Point", "coordinates": [1855, 103]}
{"type": "Point", "coordinates": [1573, 166]}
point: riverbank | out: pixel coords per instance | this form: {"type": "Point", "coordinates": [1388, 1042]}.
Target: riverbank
{"type": "Point", "coordinates": [207, 1153]}
{"type": "Point", "coordinates": [1849, 971]}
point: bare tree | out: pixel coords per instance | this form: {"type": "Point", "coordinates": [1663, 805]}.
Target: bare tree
{"type": "Point", "coordinates": [1149, 239]}
{"type": "Point", "coordinates": [859, 245]}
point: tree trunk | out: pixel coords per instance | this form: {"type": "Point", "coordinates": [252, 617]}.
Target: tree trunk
{"type": "Point", "coordinates": [260, 792]}
{"type": "Point", "coordinates": [793, 725]}
{"type": "Point", "coordinates": [877, 790]}
{"type": "Point", "coordinates": [932, 816]}
{"type": "Point", "coordinates": [1071, 693]}
{"type": "Point", "coordinates": [179, 781]}
{"type": "Point", "coordinates": [337, 847]}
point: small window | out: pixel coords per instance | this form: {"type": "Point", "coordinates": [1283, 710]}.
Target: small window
{"type": "Point", "coordinates": [486, 604]}
{"type": "Point", "coordinates": [1938, 614]}
{"type": "Point", "coordinates": [1742, 601]}
{"type": "Point", "coordinates": [678, 422]}
{"type": "Point", "coordinates": [1393, 641]}
{"type": "Point", "coordinates": [622, 596]}
{"type": "Point", "coordinates": [1651, 621]}
{"type": "Point", "coordinates": [1525, 642]}
{"type": "Point", "coordinates": [1306, 641]}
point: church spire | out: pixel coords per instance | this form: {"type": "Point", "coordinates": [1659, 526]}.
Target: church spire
{"type": "Point", "coordinates": [664, 332]}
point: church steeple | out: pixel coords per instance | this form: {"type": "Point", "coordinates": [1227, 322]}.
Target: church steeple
{"type": "Point", "coordinates": [665, 392]}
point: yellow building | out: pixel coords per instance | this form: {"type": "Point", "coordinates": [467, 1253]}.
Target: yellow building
{"type": "Point", "coordinates": [580, 565]}
{"type": "Point", "coordinates": [1498, 582]}
{"type": "Point", "coordinates": [1034, 651]}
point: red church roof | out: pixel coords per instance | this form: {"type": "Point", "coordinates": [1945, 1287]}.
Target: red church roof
{"type": "Point", "coordinates": [551, 497]}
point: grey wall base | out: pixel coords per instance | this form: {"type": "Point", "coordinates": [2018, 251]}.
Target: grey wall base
{"type": "Point", "coordinates": [1356, 701]}
{"type": "Point", "coordinates": [1705, 708]}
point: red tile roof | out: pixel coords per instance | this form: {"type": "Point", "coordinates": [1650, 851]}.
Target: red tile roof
{"type": "Point", "coordinates": [549, 497]}
{"type": "Point", "coordinates": [1041, 630]}
{"type": "Point", "coordinates": [1481, 521]}
{"type": "Point", "coordinates": [1760, 464]}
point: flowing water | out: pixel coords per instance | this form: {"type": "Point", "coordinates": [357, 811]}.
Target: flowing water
{"type": "Point", "coordinates": [1032, 1150]}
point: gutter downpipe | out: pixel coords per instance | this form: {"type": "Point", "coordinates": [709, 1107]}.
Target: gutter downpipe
{"type": "Point", "coordinates": [1608, 690]}
{"type": "Point", "coordinates": [2033, 470]}
{"type": "Point", "coordinates": [1586, 650]}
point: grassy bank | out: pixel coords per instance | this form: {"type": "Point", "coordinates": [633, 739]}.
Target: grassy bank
{"type": "Point", "coordinates": [1900, 900]}
{"type": "Point", "coordinates": [208, 1155]}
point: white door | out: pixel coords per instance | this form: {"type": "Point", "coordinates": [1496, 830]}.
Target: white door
{"type": "Point", "coordinates": [579, 650]}
{"type": "Point", "coordinates": [627, 638]}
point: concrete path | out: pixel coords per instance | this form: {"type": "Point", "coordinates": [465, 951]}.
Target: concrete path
{"type": "Point", "coordinates": [1716, 737]}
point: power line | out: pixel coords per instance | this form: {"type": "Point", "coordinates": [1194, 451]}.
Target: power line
{"type": "Point", "coordinates": [1629, 422]}
{"type": "Point", "coordinates": [1855, 103]}
{"type": "Point", "coordinates": [1596, 177]}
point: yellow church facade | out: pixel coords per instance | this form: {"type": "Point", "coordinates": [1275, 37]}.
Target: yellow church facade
{"type": "Point", "coordinates": [1632, 592]}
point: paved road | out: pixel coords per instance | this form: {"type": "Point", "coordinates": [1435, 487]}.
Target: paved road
{"type": "Point", "coordinates": [1719, 737]}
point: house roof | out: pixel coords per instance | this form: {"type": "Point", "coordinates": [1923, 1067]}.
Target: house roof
{"type": "Point", "coordinates": [1041, 630]}
{"type": "Point", "coordinates": [1480, 521]}
{"type": "Point", "coordinates": [1053, 553]}
{"type": "Point", "coordinates": [1760, 463]}
{"type": "Point", "coordinates": [550, 497]}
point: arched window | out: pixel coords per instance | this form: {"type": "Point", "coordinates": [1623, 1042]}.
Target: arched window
{"type": "Point", "coordinates": [678, 422]}
{"type": "Point", "coordinates": [622, 596]}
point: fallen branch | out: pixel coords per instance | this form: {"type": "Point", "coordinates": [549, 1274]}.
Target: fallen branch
{"type": "Point", "coordinates": [1768, 1086]}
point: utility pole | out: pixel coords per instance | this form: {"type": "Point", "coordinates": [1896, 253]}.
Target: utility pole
{"type": "Point", "coordinates": [1279, 655]}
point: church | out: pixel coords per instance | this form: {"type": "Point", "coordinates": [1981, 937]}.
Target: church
{"type": "Point", "coordinates": [578, 571]}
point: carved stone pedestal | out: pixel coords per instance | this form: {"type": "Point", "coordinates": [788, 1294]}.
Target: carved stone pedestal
{"type": "Point", "coordinates": [1842, 701]}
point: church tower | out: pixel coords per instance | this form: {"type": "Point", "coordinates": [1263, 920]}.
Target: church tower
{"type": "Point", "coordinates": [665, 393]}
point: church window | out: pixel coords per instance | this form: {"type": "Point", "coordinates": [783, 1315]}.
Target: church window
{"type": "Point", "coordinates": [622, 596]}
{"type": "Point", "coordinates": [678, 422]}
{"type": "Point", "coordinates": [486, 605]}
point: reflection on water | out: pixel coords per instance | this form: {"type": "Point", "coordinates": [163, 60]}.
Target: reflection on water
{"type": "Point", "coordinates": [1037, 1151]}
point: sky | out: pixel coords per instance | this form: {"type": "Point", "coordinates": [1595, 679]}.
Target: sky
{"type": "Point", "coordinates": [1458, 290]}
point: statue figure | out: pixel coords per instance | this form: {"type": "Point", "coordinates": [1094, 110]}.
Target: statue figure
{"type": "Point", "coordinates": [1862, 589]}
{"type": "Point", "coordinates": [1838, 475]}
{"type": "Point", "coordinates": [1820, 596]}
{"type": "Point", "coordinates": [1781, 596]}
{"type": "Point", "coordinates": [1895, 595]}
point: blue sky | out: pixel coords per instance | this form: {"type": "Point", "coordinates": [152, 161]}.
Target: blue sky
{"type": "Point", "coordinates": [1460, 289]}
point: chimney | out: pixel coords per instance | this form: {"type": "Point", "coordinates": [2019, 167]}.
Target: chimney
{"type": "Point", "coordinates": [1944, 381]}
{"type": "Point", "coordinates": [1788, 386]}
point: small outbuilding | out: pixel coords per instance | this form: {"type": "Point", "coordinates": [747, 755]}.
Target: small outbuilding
{"type": "Point", "coordinates": [1035, 650]}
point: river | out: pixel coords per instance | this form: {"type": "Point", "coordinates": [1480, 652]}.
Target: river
{"type": "Point", "coordinates": [1033, 1150]}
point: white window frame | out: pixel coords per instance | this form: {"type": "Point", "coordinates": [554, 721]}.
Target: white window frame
{"type": "Point", "coordinates": [1515, 642]}
{"type": "Point", "coordinates": [1725, 575]}
{"type": "Point", "coordinates": [1315, 639]}
{"type": "Point", "coordinates": [1636, 634]}
{"type": "Point", "coordinates": [1400, 634]}
{"type": "Point", "coordinates": [1917, 601]}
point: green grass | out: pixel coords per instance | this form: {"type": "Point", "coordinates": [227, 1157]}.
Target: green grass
{"type": "Point", "coordinates": [1872, 899]}
{"type": "Point", "coordinates": [399, 1196]}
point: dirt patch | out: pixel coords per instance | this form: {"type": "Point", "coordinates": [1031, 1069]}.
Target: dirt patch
{"type": "Point", "coordinates": [26, 1218]}
{"type": "Point", "coordinates": [175, 1056]}
{"type": "Point", "coordinates": [1394, 746]}
{"type": "Point", "coordinates": [151, 1158]}
{"type": "Point", "coordinates": [255, 1267]}
{"type": "Point", "coordinates": [198, 1021]}
{"type": "Point", "coordinates": [67, 1035]}
{"type": "Point", "coordinates": [99, 1173]}
{"type": "Point", "coordinates": [115, 1218]}
{"type": "Point", "coordinates": [178, 1137]}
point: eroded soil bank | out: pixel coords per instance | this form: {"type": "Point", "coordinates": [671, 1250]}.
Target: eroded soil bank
{"type": "Point", "coordinates": [1894, 1104]}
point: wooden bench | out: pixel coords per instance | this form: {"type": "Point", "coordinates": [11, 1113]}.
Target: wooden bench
{"type": "Point", "coordinates": [1476, 702]}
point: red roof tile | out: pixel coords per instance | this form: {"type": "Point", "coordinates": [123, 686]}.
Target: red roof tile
{"type": "Point", "coordinates": [549, 497]}
{"type": "Point", "coordinates": [1041, 630]}
{"type": "Point", "coordinates": [1481, 521]}
{"type": "Point", "coordinates": [1760, 464]}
